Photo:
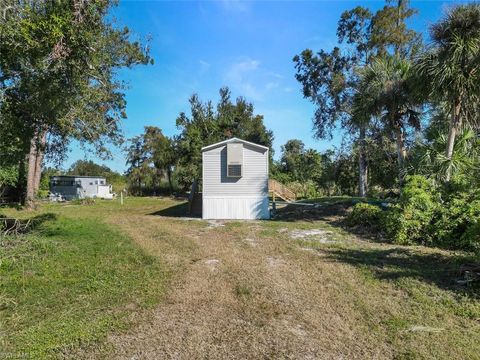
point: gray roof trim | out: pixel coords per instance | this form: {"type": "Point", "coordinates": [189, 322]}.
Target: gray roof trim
{"type": "Point", "coordinates": [78, 176]}
{"type": "Point", "coordinates": [224, 142]}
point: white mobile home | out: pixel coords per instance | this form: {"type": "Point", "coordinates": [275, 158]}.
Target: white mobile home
{"type": "Point", "coordinates": [235, 180]}
{"type": "Point", "coordinates": [79, 187]}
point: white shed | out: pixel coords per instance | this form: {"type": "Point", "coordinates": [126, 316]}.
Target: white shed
{"type": "Point", "coordinates": [235, 180]}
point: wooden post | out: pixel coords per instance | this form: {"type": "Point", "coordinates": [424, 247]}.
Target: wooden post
{"type": "Point", "coordinates": [121, 197]}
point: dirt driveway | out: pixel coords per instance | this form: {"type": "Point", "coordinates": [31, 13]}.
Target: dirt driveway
{"type": "Point", "coordinates": [243, 291]}
{"type": "Point", "coordinates": [272, 290]}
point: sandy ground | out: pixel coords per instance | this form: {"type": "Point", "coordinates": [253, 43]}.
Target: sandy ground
{"type": "Point", "coordinates": [243, 292]}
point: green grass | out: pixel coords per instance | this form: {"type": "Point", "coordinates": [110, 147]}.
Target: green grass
{"type": "Point", "coordinates": [70, 282]}
{"type": "Point", "coordinates": [76, 278]}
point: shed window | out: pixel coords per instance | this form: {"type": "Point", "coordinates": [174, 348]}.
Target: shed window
{"type": "Point", "coordinates": [234, 159]}
{"type": "Point", "coordinates": [234, 171]}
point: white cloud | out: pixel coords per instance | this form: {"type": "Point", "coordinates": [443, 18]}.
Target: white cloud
{"type": "Point", "coordinates": [247, 77]}
{"type": "Point", "coordinates": [235, 5]}
{"type": "Point", "coordinates": [239, 77]}
{"type": "Point", "coordinates": [272, 85]}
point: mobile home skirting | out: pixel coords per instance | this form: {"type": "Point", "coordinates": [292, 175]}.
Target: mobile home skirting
{"type": "Point", "coordinates": [234, 207]}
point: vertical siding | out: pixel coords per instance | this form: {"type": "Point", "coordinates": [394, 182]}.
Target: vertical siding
{"type": "Point", "coordinates": [235, 208]}
{"type": "Point", "coordinates": [235, 198]}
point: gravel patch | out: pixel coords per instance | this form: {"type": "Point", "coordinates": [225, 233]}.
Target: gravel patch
{"type": "Point", "coordinates": [212, 264]}
{"type": "Point", "coordinates": [251, 242]}
{"type": "Point", "coordinates": [215, 223]}
{"type": "Point", "coordinates": [322, 236]}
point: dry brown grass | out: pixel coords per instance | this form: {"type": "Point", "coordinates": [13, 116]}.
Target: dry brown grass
{"type": "Point", "coordinates": [248, 290]}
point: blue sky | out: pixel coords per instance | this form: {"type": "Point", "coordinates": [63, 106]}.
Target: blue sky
{"type": "Point", "coordinates": [248, 46]}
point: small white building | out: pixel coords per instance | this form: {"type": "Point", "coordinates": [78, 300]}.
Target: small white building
{"type": "Point", "coordinates": [235, 180]}
{"type": "Point", "coordinates": [66, 187]}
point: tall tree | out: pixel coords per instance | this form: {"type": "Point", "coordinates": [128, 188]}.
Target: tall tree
{"type": "Point", "coordinates": [138, 171]}
{"type": "Point", "coordinates": [390, 33]}
{"type": "Point", "coordinates": [159, 149]}
{"type": "Point", "coordinates": [330, 81]}
{"type": "Point", "coordinates": [58, 64]}
{"type": "Point", "coordinates": [292, 156]}
{"type": "Point", "coordinates": [452, 67]}
{"type": "Point", "coordinates": [386, 90]}
{"type": "Point", "coordinates": [207, 125]}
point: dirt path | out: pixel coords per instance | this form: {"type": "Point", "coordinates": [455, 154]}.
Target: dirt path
{"type": "Point", "coordinates": [244, 293]}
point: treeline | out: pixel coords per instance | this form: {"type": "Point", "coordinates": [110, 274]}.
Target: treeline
{"type": "Point", "coordinates": [158, 164]}
{"type": "Point", "coordinates": [412, 110]}
{"type": "Point", "coordinates": [382, 85]}
{"type": "Point", "coordinates": [400, 99]}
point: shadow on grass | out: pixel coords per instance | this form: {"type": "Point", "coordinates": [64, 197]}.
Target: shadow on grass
{"type": "Point", "coordinates": [326, 208]}
{"type": "Point", "coordinates": [16, 206]}
{"type": "Point", "coordinates": [333, 214]}
{"type": "Point", "coordinates": [178, 210]}
{"type": "Point", "coordinates": [386, 264]}
{"type": "Point", "coordinates": [324, 212]}
{"type": "Point", "coordinates": [40, 219]}
{"type": "Point", "coordinates": [399, 263]}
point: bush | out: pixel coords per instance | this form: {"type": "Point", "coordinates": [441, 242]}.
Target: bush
{"type": "Point", "coordinates": [470, 239]}
{"type": "Point", "coordinates": [409, 221]}
{"type": "Point", "coordinates": [456, 225]}
{"type": "Point", "coordinates": [43, 194]}
{"type": "Point", "coordinates": [447, 216]}
{"type": "Point", "coordinates": [304, 190]}
{"type": "Point", "coordinates": [365, 215]}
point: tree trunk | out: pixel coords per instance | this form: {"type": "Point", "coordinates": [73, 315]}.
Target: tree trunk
{"type": "Point", "coordinates": [32, 159]}
{"type": "Point", "coordinates": [169, 176]}
{"type": "Point", "coordinates": [39, 161]}
{"type": "Point", "coordinates": [21, 180]}
{"type": "Point", "coordinates": [401, 152]}
{"type": "Point", "coordinates": [362, 164]}
{"type": "Point", "coordinates": [35, 158]}
{"type": "Point", "coordinates": [453, 128]}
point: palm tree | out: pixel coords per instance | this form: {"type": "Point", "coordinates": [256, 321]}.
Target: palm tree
{"type": "Point", "coordinates": [386, 92]}
{"type": "Point", "coordinates": [452, 67]}
{"type": "Point", "coordinates": [430, 159]}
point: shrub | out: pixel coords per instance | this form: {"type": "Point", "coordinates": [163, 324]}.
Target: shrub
{"type": "Point", "coordinates": [304, 190]}
{"type": "Point", "coordinates": [365, 215]}
{"type": "Point", "coordinates": [456, 225]}
{"type": "Point", "coordinates": [470, 239]}
{"type": "Point", "coordinates": [409, 221]}
{"type": "Point", "coordinates": [446, 216]}
{"type": "Point", "coordinates": [43, 194]}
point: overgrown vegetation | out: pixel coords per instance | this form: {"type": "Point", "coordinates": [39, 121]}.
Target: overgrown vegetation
{"type": "Point", "coordinates": [428, 214]}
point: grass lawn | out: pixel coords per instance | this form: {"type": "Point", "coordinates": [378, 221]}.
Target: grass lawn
{"type": "Point", "coordinates": [139, 281]}
{"type": "Point", "coordinates": [72, 281]}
